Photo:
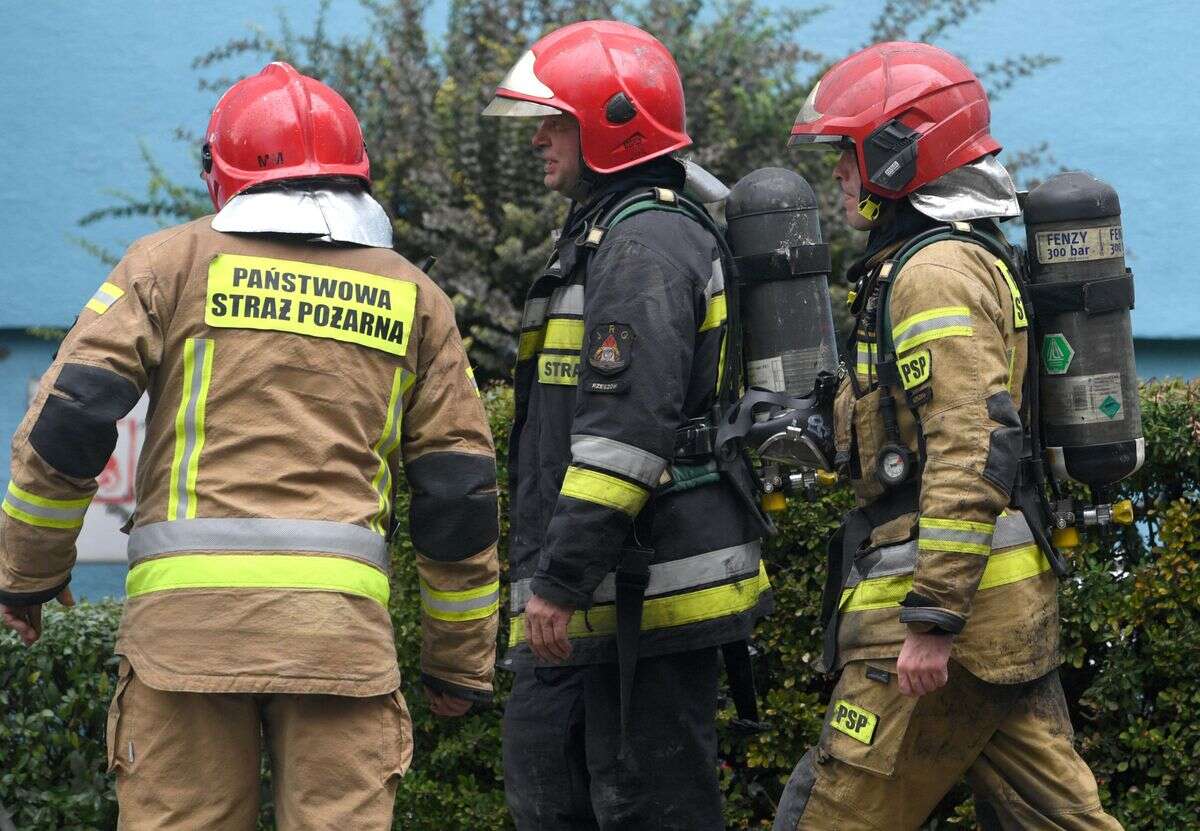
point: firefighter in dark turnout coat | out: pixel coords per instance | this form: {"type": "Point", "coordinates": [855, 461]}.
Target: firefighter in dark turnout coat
{"type": "Point", "coordinates": [621, 346]}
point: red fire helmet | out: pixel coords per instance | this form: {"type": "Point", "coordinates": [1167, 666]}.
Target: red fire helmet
{"type": "Point", "coordinates": [620, 83]}
{"type": "Point", "coordinates": [911, 112]}
{"type": "Point", "coordinates": [280, 124]}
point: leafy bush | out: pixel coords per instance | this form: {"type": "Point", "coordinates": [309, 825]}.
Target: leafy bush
{"type": "Point", "coordinates": [1131, 636]}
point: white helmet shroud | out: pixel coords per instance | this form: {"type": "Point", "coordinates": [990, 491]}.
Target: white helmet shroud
{"type": "Point", "coordinates": [977, 190]}
{"type": "Point", "coordinates": [325, 212]}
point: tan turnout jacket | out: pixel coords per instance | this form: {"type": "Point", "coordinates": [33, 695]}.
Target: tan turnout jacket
{"type": "Point", "coordinates": [961, 563]}
{"type": "Point", "coordinates": [290, 383]}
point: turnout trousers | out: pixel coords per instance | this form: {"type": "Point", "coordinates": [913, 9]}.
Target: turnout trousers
{"type": "Point", "coordinates": [562, 743]}
{"type": "Point", "coordinates": [1014, 743]}
{"type": "Point", "coordinates": [192, 760]}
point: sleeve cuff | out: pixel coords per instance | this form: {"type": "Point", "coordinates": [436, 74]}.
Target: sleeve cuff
{"type": "Point", "coordinates": [922, 614]}
{"type": "Point", "coordinates": [548, 588]}
{"type": "Point", "coordinates": [32, 598]}
{"type": "Point", "coordinates": [475, 696]}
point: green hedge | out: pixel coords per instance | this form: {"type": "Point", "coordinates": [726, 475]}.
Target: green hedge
{"type": "Point", "coordinates": [1131, 637]}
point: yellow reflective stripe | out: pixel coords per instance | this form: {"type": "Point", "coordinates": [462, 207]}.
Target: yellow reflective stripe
{"type": "Point", "coordinates": [40, 521]}
{"type": "Point", "coordinates": [1012, 366]}
{"type": "Point", "coordinates": [721, 362]}
{"type": "Point", "coordinates": [955, 547]}
{"type": "Point", "coordinates": [956, 535]}
{"type": "Point", "coordinates": [558, 369]}
{"type": "Point", "coordinates": [933, 324]}
{"type": "Point", "coordinates": [958, 525]}
{"type": "Point", "coordinates": [663, 612]}
{"type": "Point", "coordinates": [46, 502]}
{"type": "Point", "coordinates": [530, 343]}
{"type": "Point", "coordinates": [609, 491]}
{"type": "Point", "coordinates": [715, 314]}
{"type": "Point", "coordinates": [1001, 569]}
{"type": "Point", "coordinates": [189, 427]}
{"type": "Point", "coordinates": [471, 378]}
{"type": "Point", "coordinates": [257, 571]}
{"type": "Point", "coordinates": [388, 441]}
{"type": "Point", "coordinates": [563, 334]}
{"type": "Point", "coordinates": [457, 606]}
{"type": "Point", "coordinates": [104, 297]}
{"type": "Point", "coordinates": [1020, 321]}
{"type": "Point", "coordinates": [864, 357]}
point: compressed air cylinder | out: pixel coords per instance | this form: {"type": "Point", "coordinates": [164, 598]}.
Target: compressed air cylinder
{"type": "Point", "coordinates": [1091, 420]}
{"type": "Point", "coordinates": [787, 322]}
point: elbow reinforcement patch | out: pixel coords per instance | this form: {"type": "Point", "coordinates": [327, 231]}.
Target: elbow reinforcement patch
{"type": "Point", "coordinates": [77, 433]}
{"type": "Point", "coordinates": [453, 512]}
{"type": "Point", "coordinates": [1005, 443]}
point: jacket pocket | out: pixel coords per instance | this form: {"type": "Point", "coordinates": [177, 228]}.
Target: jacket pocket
{"type": "Point", "coordinates": [117, 728]}
{"type": "Point", "coordinates": [868, 717]}
{"type": "Point", "coordinates": [397, 736]}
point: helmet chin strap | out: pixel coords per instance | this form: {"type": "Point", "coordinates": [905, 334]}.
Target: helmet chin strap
{"type": "Point", "coordinates": [588, 180]}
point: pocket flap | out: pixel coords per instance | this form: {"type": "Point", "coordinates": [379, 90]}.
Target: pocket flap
{"type": "Point", "coordinates": [867, 717]}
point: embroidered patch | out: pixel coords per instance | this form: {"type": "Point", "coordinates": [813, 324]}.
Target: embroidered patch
{"type": "Point", "coordinates": [915, 369]}
{"type": "Point", "coordinates": [617, 387]}
{"type": "Point", "coordinates": [610, 348]}
{"type": "Point", "coordinates": [855, 722]}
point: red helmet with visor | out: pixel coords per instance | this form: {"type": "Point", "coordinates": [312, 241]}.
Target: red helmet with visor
{"type": "Point", "coordinates": [620, 83]}
{"type": "Point", "coordinates": [276, 125]}
{"type": "Point", "coordinates": [910, 111]}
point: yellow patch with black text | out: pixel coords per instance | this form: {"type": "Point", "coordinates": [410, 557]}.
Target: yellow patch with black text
{"type": "Point", "coordinates": [855, 722]}
{"type": "Point", "coordinates": [319, 301]}
{"type": "Point", "coordinates": [558, 369]}
{"type": "Point", "coordinates": [916, 369]}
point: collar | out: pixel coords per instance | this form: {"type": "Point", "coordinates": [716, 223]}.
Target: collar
{"type": "Point", "coordinates": [319, 211]}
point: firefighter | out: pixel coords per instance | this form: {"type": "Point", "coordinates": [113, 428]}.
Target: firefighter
{"type": "Point", "coordinates": [294, 365]}
{"type": "Point", "coordinates": [942, 615]}
{"type": "Point", "coordinates": [620, 348]}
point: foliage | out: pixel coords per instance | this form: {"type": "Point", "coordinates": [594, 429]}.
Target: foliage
{"type": "Point", "coordinates": [1131, 615]}
{"type": "Point", "coordinates": [464, 188]}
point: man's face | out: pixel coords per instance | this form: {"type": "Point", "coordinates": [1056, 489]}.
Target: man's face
{"type": "Point", "coordinates": [846, 173]}
{"type": "Point", "coordinates": [556, 143]}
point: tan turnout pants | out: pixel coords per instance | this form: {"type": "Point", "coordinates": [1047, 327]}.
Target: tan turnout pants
{"type": "Point", "coordinates": [885, 760]}
{"type": "Point", "coordinates": [191, 760]}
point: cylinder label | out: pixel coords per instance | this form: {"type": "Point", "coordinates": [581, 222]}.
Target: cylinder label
{"type": "Point", "coordinates": [1087, 399]}
{"type": "Point", "coordinates": [1077, 246]}
{"type": "Point", "coordinates": [767, 373]}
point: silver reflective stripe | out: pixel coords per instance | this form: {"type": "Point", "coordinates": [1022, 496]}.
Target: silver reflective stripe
{"type": "Point", "coordinates": [566, 300]}
{"type": "Point", "coordinates": [709, 568]}
{"type": "Point", "coordinates": [317, 536]}
{"type": "Point", "coordinates": [618, 457]}
{"type": "Point", "coordinates": [66, 514]}
{"type": "Point", "coordinates": [716, 283]}
{"type": "Point", "coordinates": [955, 535]}
{"type": "Point", "coordinates": [102, 296]}
{"type": "Point", "coordinates": [436, 604]}
{"type": "Point", "coordinates": [894, 560]}
{"type": "Point", "coordinates": [920, 328]}
{"type": "Point", "coordinates": [535, 313]}
{"type": "Point", "coordinates": [1011, 529]}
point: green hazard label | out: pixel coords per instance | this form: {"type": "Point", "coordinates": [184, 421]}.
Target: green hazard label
{"type": "Point", "coordinates": [1056, 354]}
{"type": "Point", "coordinates": [1110, 407]}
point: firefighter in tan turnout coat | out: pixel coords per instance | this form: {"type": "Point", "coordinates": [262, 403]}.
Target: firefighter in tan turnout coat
{"type": "Point", "coordinates": [942, 615]}
{"type": "Point", "coordinates": [294, 364]}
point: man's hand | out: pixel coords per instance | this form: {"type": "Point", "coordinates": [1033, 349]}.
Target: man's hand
{"type": "Point", "coordinates": [923, 664]}
{"type": "Point", "coordinates": [26, 621]}
{"type": "Point", "coordinates": [546, 628]}
{"type": "Point", "coordinates": [446, 705]}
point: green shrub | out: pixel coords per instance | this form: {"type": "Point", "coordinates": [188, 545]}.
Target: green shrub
{"type": "Point", "coordinates": [1131, 639]}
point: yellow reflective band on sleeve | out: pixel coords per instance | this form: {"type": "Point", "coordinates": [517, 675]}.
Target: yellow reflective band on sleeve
{"type": "Point", "coordinates": [471, 378]}
{"type": "Point", "coordinates": [664, 612]}
{"type": "Point", "coordinates": [933, 324]}
{"type": "Point", "coordinates": [864, 357]}
{"type": "Point", "coordinates": [1012, 366]}
{"type": "Point", "coordinates": [955, 535]}
{"type": "Point", "coordinates": [389, 440]}
{"type": "Point", "coordinates": [318, 301]}
{"type": "Point", "coordinates": [189, 427]}
{"type": "Point", "coordinates": [854, 721]}
{"type": "Point", "coordinates": [1002, 568]}
{"type": "Point", "coordinates": [42, 511]}
{"type": "Point", "coordinates": [609, 491]}
{"type": "Point", "coordinates": [715, 314]}
{"type": "Point", "coordinates": [558, 369]}
{"type": "Point", "coordinates": [530, 343]}
{"type": "Point", "coordinates": [564, 334]}
{"type": "Point", "coordinates": [257, 571]}
{"type": "Point", "coordinates": [458, 606]}
{"type": "Point", "coordinates": [1020, 320]}
{"type": "Point", "coordinates": [104, 297]}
